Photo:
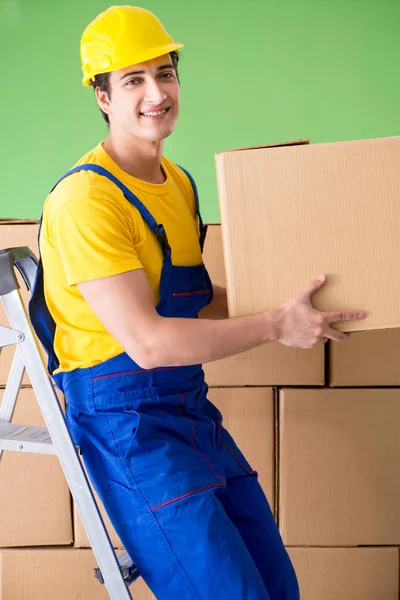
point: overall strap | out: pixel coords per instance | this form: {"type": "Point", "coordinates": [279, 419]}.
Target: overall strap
{"type": "Point", "coordinates": [202, 227]}
{"type": "Point", "coordinates": [158, 229]}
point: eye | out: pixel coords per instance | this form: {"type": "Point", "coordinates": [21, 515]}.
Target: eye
{"type": "Point", "coordinates": [167, 75]}
{"type": "Point", "coordinates": [133, 81]}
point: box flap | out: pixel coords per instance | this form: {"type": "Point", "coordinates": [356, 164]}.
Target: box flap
{"type": "Point", "coordinates": [4, 221]}
{"type": "Point", "coordinates": [302, 142]}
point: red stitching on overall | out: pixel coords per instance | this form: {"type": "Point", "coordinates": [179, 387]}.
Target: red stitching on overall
{"type": "Point", "coordinates": [203, 457]}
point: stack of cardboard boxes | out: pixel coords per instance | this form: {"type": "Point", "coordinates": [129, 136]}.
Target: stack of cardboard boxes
{"type": "Point", "coordinates": [290, 213]}
{"type": "Point", "coordinates": [320, 426]}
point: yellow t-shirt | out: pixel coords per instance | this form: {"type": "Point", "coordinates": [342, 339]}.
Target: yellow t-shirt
{"type": "Point", "coordinates": [90, 230]}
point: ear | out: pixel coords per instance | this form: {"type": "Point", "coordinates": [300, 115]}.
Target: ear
{"type": "Point", "coordinates": [103, 100]}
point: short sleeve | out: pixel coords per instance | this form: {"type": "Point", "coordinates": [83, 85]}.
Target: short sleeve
{"type": "Point", "coordinates": [94, 239]}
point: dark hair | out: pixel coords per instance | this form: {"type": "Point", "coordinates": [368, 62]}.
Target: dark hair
{"type": "Point", "coordinates": [102, 81]}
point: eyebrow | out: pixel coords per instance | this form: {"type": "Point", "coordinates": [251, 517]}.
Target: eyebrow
{"type": "Point", "coordinates": [160, 68]}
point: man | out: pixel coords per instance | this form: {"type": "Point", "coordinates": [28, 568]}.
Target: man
{"type": "Point", "coordinates": [115, 305]}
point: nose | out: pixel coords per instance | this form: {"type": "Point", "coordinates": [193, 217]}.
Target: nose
{"type": "Point", "coordinates": [154, 92]}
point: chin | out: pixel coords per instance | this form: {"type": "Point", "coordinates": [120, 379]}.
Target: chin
{"type": "Point", "coordinates": [154, 136]}
{"type": "Point", "coordinates": [168, 133]}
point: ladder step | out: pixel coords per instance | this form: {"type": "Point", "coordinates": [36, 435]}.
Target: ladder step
{"type": "Point", "coordinates": [25, 438]}
{"type": "Point", "coordinates": [128, 569]}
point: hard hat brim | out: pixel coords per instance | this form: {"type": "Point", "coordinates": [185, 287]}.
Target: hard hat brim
{"type": "Point", "coordinates": [143, 57]}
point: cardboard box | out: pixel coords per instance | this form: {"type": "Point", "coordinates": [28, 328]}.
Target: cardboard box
{"type": "Point", "coordinates": [55, 574]}
{"type": "Point", "coordinates": [339, 480]}
{"type": "Point", "coordinates": [292, 212]}
{"type": "Point", "coordinates": [35, 503]}
{"type": "Point", "coordinates": [269, 364]}
{"type": "Point", "coordinates": [368, 358]}
{"type": "Point", "coordinates": [248, 415]}
{"type": "Point", "coordinates": [347, 573]}
{"type": "Point", "coordinates": [14, 233]}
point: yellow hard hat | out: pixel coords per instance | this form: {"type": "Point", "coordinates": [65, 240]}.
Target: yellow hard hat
{"type": "Point", "coordinates": [122, 36]}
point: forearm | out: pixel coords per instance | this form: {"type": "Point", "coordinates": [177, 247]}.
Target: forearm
{"type": "Point", "coordinates": [180, 342]}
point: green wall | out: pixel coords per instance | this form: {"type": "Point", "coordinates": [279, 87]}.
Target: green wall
{"type": "Point", "coordinates": [252, 72]}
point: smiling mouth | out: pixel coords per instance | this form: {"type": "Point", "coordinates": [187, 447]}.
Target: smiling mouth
{"type": "Point", "coordinates": [155, 113]}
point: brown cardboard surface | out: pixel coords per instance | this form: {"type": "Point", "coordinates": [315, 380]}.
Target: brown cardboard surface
{"type": "Point", "coordinates": [55, 574]}
{"type": "Point", "coordinates": [13, 234]}
{"type": "Point", "coordinates": [81, 539]}
{"type": "Point", "coordinates": [269, 364]}
{"type": "Point", "coordinates": [291, 213]}
{"type": "Point", "coordinates": [248, 415]}
{"type": "Point", "coordinates": [347, 573]}
{"type": "Point", "coordinates": [368, 358]}
{"type": "Point", "coordinates": [35, 503]}
{"type": "Point", "coordinates": [213, 254]}
{"type": "Point", "coordinates": [339, 480]}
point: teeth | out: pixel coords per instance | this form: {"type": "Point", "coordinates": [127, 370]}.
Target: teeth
{"type": "Point", "coordinates": [154, 114]}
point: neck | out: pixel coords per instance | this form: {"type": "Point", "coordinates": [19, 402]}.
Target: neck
{"type": "Point", "coordinates": [139, 158]}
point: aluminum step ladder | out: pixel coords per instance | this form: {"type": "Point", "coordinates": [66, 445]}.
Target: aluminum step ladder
{"type": "Point", "coordinates": [116, 573]}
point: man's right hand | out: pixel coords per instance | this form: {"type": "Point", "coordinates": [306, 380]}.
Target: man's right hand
{"type": "Point", "coordinates": [301, 326]}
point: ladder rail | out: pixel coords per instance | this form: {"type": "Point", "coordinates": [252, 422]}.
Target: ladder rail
{"type": "Point", "coordinates": [55, 419]}
{"type": "Point", "coordinates": [26, 263]}
{"type": "Point", "coordinates": [12, 388]}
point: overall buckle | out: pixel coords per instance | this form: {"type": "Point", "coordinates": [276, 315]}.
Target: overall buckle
{"type": "Point", "coordinates": [163, 240]}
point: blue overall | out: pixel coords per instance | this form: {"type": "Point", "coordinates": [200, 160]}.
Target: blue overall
{"type": "Point", "coordinates": [183, 499]}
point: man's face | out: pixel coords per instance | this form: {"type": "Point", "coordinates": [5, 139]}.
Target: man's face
{"type": "Point", "coordinates": [144, 99]}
